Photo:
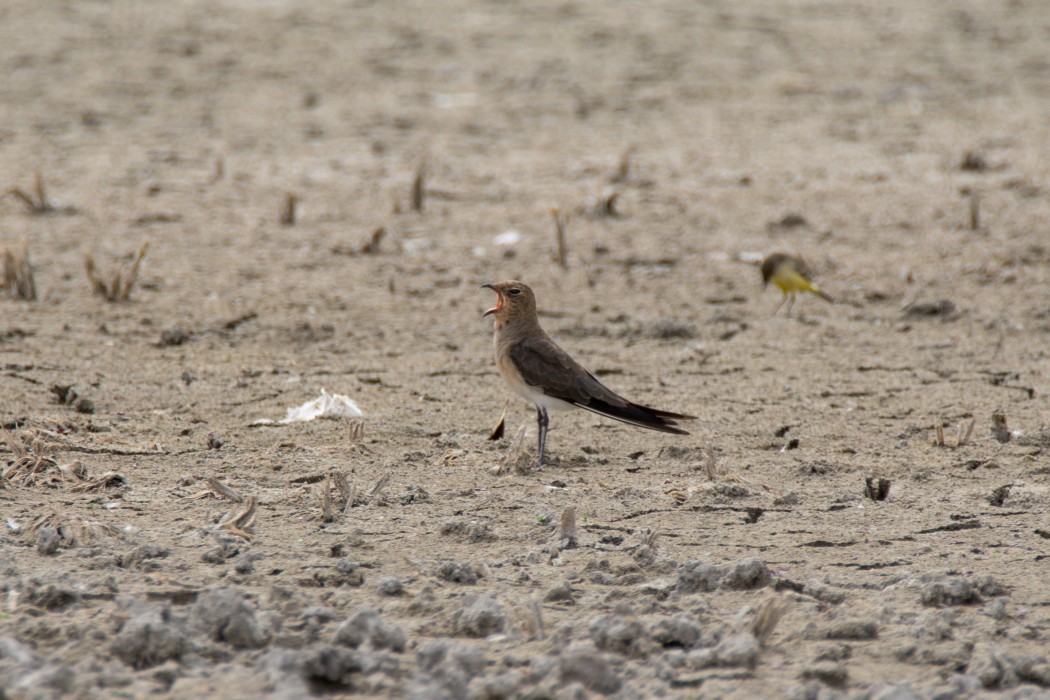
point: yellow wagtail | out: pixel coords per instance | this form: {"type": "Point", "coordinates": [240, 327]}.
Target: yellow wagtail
{"type": "Point", "coordinates": [791, 275]}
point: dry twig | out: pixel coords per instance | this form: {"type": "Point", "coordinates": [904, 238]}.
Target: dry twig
{"type": "Point", "coordinates": [327, 512]}
{"type": "Point", "coordinates": [876, 489]}
{"type": "Point", "coordinates": [517, 457]}
{"type": "Point", "coordinates": [938, 439]}
{"type": "Point", "coordinates": [710, 465]}
{"type": "Point", "coordinates": [37, 201]}
{"type": "Point", "coordinates": [240, 523]}
{"type": "Point", "coordinates": [355, 434]}
{"type": "Point", "coordinates": [106, 481]}
{"type": "Point", "coordinates": [527, 616]}
{"type": "Point", "coordinates": [380, 485]}
{"type": "Point", "coordinates": [497, 431]}
{"type": "Point", "coordinates": [121, 281]}
{"type": "Point", "coordinates": [964, 437]}
{"type": "Point", "coordinates": [767, 617]}
{"type": "Point", "coordinates": [623, 173]}
{"type": "Point", "coordinates": [1000, 431]}
{"type": "Point", "coordinates": [33, 455]}
{"type": "Point", "coordinates": [605, 204]}
{"type": "Point", "coordinates": [347, 491]}
{"type": "Point", "coordinates": [18, 274]}
{"type": "Point", "coordinates": [567, 533]}
{"type": "Point", "coordinates": [374, 242]}
{"type": "Point", "coordinates": [218, 490]}
{"type": "Point", "coordinates": [561, 224]}
{"type": "Point", "coordinates": [71, 529]}
{"type": "Point", "coordinates": [287, 214]}
{"type": "Point", "coordinates": [419, 185]}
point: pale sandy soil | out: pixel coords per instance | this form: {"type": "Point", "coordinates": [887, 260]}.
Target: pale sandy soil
{"type": "Point", "coordinates": [856, 134]}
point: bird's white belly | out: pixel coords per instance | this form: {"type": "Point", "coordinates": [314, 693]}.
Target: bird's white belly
{"type": "Point", "coordinates": [537, 398]}
{"type": "Point", "coordinates": [534, 395]}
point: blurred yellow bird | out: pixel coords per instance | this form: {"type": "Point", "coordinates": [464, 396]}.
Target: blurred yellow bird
{"type": "Point", "coordinates": [791, 275]}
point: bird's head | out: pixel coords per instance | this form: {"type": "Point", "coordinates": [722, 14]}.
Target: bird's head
{"type": "Point", "coordinates": [513, 300]}
{"type": "Point", "coordinates": [770, 265]}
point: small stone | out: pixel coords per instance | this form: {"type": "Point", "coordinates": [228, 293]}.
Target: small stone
{"type": "Point", "coordinates": [738, 651]}
{"type": "Point", "coordinates": [13, 650]}
{"type": "Point", "coordinates": [955, 590]}
{"type": "Point", "coordinates": [245, 564]}
{"type": "Point", "coordinates": [443, 652]}
{"type": "Point", "coordinates": [318, 614]}
{"type": "Point", "coordinates": [47, 540]}
{"type": "Point", "coordinates": [844, 629]}
{"type": "Point", "coordinates": [831, 674]}
{"type": "Point", "coordinates": [457, 573]}
{"type": "Point", "coordinates": [50, 596]}
{"type": "Point", "coordinates": [225, 616]}
{"type": "Point", "coordinates": [387, 635]}
{"type": "Point", "coordinates": [284, 673]}
{"type": "Point", "coordinates": [468, 531]}
{"type": "Point", "coordinates": [747, 575]}
{"type": "Point", "coordinates": [996, 609]}
{"type": "Point", "coordinates": [139, 556]}
{"type": "Point", "coordinates": [347, 573]}
{"type": "Point", "coordinates": [698, 577]}
{"type": "Point", "coordinates": [356, 629]}
{"type": "Point", "coordinates": [617, 633]}
{"type": "Point", "coordinates": [993, 669]}
{"type": "Point", "coordinates": [335, 665]}
{"type": "Point", "coordinates": [588, 669]}
{"type": "Point", "coordinates": [173, 336]}
{"type": "Point", "coordinates": [390, 586]}
{"type": "Point", "coordinates": [934, 624]}
{"type": "Point", "coordinates": [559, 593]}
{"type": "Point", "coordinates": [681, 631]}
{"type": "Point", "coordinates": [220, 553]}
{"type": "Point", "coordinates": [823, 592]}
{"type": "Point", "coordinates": [726, 490]}
{"type": "Point", "coordinates": [887, 691]}
{"type": "Point", "coordinates": [480, 618]}
{"type": "Point", "coordinates": [502, 686]}
{"type": "Point", "coordinates": [149, 638]}
{"type": "Point", "coordinates": [835, 652]}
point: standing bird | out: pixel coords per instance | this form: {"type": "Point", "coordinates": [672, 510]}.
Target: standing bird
{"type": "Point", "coordinates": [790, 274]}
{"type": "Point", "coordinates": [547, 377]}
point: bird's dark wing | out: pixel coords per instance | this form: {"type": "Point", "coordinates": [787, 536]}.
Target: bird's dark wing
{"type": "Point", "coordinates": [544, 365]}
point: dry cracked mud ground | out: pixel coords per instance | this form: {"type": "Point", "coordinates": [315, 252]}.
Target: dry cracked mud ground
{"type": "Point", "coordinates": [158, 542]}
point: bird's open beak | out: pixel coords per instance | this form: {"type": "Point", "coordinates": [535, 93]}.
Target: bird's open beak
{"type": "Point", "coordinates": [499, 301]}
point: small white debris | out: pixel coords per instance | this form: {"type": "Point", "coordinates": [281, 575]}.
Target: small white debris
{"type": "Point", "coordinates": [418, 245]}
{"type": "Point", "coordinates": [451, 100]}
{"type": "Point", "coordinates": [13, 525]}
{"type": "Point", "coordinates": [750, 257]}
{"type": "Point", "coordinates": [324, 406]}
{"type": "Point", "coordinates": [507, 238]}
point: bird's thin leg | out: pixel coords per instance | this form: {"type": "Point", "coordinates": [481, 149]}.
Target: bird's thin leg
{"type": "Point", "coordinates": [543, 420]}
{"type": "Point", "coordinates": [782, 300]}
{"type": "Point", "coordinates": [790, 304]}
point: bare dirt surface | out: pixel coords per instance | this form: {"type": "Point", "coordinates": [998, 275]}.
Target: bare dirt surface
{"type": "Point", "coordinates": [901, 147]}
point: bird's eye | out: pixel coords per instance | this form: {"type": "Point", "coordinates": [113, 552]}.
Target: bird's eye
{"type": "Point", "coordinates": [514, 291]}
